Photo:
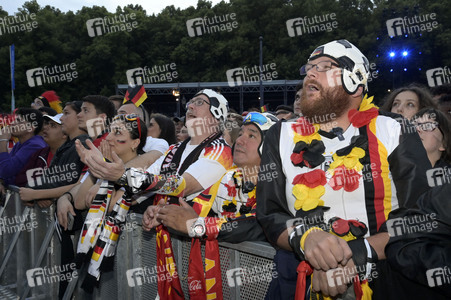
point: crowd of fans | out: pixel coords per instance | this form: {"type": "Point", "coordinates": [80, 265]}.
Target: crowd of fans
{"type": "Point", "coordinates": [217, 175]}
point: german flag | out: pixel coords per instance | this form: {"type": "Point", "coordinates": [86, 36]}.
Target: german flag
{"type": "Point", "coordinates": [136, 94]}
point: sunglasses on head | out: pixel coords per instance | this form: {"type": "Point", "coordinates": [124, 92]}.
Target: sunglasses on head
{"type": "Point", "coordinates": [254, 117]}
{"type": "Point", "coordinates": [130, 118]}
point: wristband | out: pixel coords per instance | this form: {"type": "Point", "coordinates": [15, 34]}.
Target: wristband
{"type": "Point", "coordinates": [304, 236]}
{"type": "Point", "coordinates": [294, 239]}
{"type": "Point", "coordinates": [71, 197]}
{"type": "Point", "coordinates": [363, 256]}
{"type": "Point", "coordinates": [297, 238]}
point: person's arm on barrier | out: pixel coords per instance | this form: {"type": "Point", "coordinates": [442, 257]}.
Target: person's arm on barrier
{"type": "Point", "coordinates": [325, 251]}
{"type": "Point", "coordinates": [149, 217]}
{"type": "Point", "coordinates": [365, 253]}
{"type": "Point", "coordinates": [321, 282]}
{"type": "Point", "coordinates": [29, 194]}
{"type": "Point", "coordinates": [65, 206]}
{"type": "Point", "coordinates": [82, 191]}
{"type": "Point", "coordinates": [175, 216]}
{"type": "Point", "coordinates": [92, 192]}
{"type": "Point", "coordinates": [237, 230]}
{"type": "Point", "coordinates": [44, 203]}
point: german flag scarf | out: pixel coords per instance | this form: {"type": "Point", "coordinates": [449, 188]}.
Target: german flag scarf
{"type": "Point", "coordinates": [208, 286]}
{"type": "Point", "coordinates": [100, 234]}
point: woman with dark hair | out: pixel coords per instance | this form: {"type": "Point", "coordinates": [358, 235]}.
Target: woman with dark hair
{"type": "Point", "coordinates": [434, 129]}
{"type": "Point", "coordinates": [162, 130]}
{"type": "Point", "coordinates": [408, 100]}
{"type": "Point", "coordinates": [127, 137]}
{"type": "Point", "coordinates": [162, 127]}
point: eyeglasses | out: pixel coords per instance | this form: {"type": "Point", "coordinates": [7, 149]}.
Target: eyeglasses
{"type": "Point", "coordinates": [322, 66]}
{"type": "Point", "coordinates": [196, 102]}
{"type": "Point", "coordinates": [426, 126]}
{"type": "Point", "coordinates": [255, 117]}
{"type": "Point", "coordinates": [131, 118]}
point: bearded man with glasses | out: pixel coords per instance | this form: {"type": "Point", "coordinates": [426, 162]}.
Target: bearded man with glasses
{"type": "Point", "coordinates": [343, 167]}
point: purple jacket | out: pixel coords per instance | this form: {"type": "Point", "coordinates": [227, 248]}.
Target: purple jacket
{"type": "Point", "coordinates": [12, 163]}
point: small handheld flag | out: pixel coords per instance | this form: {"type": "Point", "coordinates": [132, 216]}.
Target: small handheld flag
{"type": "Point", "coordinates": [136, 94]}
{"type": "Point", "coordinates": [264, 108]}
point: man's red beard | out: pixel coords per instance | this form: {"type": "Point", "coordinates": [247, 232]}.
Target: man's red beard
{"type": "Point", "coordinates": [331, 101]}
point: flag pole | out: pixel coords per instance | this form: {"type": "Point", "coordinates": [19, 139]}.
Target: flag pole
{"type": "Point", "coordinates": [13, 84]}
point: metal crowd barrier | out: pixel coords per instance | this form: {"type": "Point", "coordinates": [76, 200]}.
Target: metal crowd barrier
{"type": "Point", "coordinates": [26, 243]}
{"type": "Point", "coordinates": [136, 249]}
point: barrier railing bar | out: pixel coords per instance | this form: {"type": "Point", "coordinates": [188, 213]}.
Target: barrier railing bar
{"type": "Point", "coordinates": [3, 208]}
{"type": "Point", "coordinates": [71, 286]}
{"type": "Point", "coordinates": [41, 254]}
{"type": "Point", "coordinates": [235, 259]}
{"type": "Point", "coordinates": [14, 240]}
{"type": "Point", "coordinates": [262, 249]}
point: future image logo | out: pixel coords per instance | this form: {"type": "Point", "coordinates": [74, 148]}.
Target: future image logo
{"type": "Point", "coordinates": [438, 176]}
{"type": "Point", "coordinates": [11, 225]}
{"type": "Point", "coordinates": [240, 76]}
{"type": "Point", "coordinates": [438, 76]}
{"type": "Point", "coordinates": [95, 126]}
{"type": "Point", "coordinates": [244, 276]}
{"type": "Point", "coordinates": [410, 25]}
{"type": "Point", "coordinates": [145, 275]}
{"type": "Point", "coordinates": [155, 74]}
{"type": "Point", "coordinates": [52, 74]}
{"type": "Point", "coordinates": [135, 277]}
{"type": "Point", "coordinates": [342, 276]}
{"type": "Point", "coordinates": [411, 224]}
{"type": "Point", "coordinates": [116, 23]}
{"type": "Point", "coordinates": [207, 25]}
{"type": "Point", "coordinates": [18, 23]}
{"type": "Point", "coordinates": [438, 276]}
{"type": "Point", "coordinates": [57, 173]}
{"type": "Point", "coordinates": [308, 25]}
{"type": "Point", "coordinates": [234, 277]}
{"type": "Point", "coordinates": [47, 275]}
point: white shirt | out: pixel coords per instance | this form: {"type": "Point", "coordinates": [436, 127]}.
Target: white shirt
{"type": "Point", "coordinates": [156, 144]}
{"type": "Point", "coordinates": [207, 170]}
